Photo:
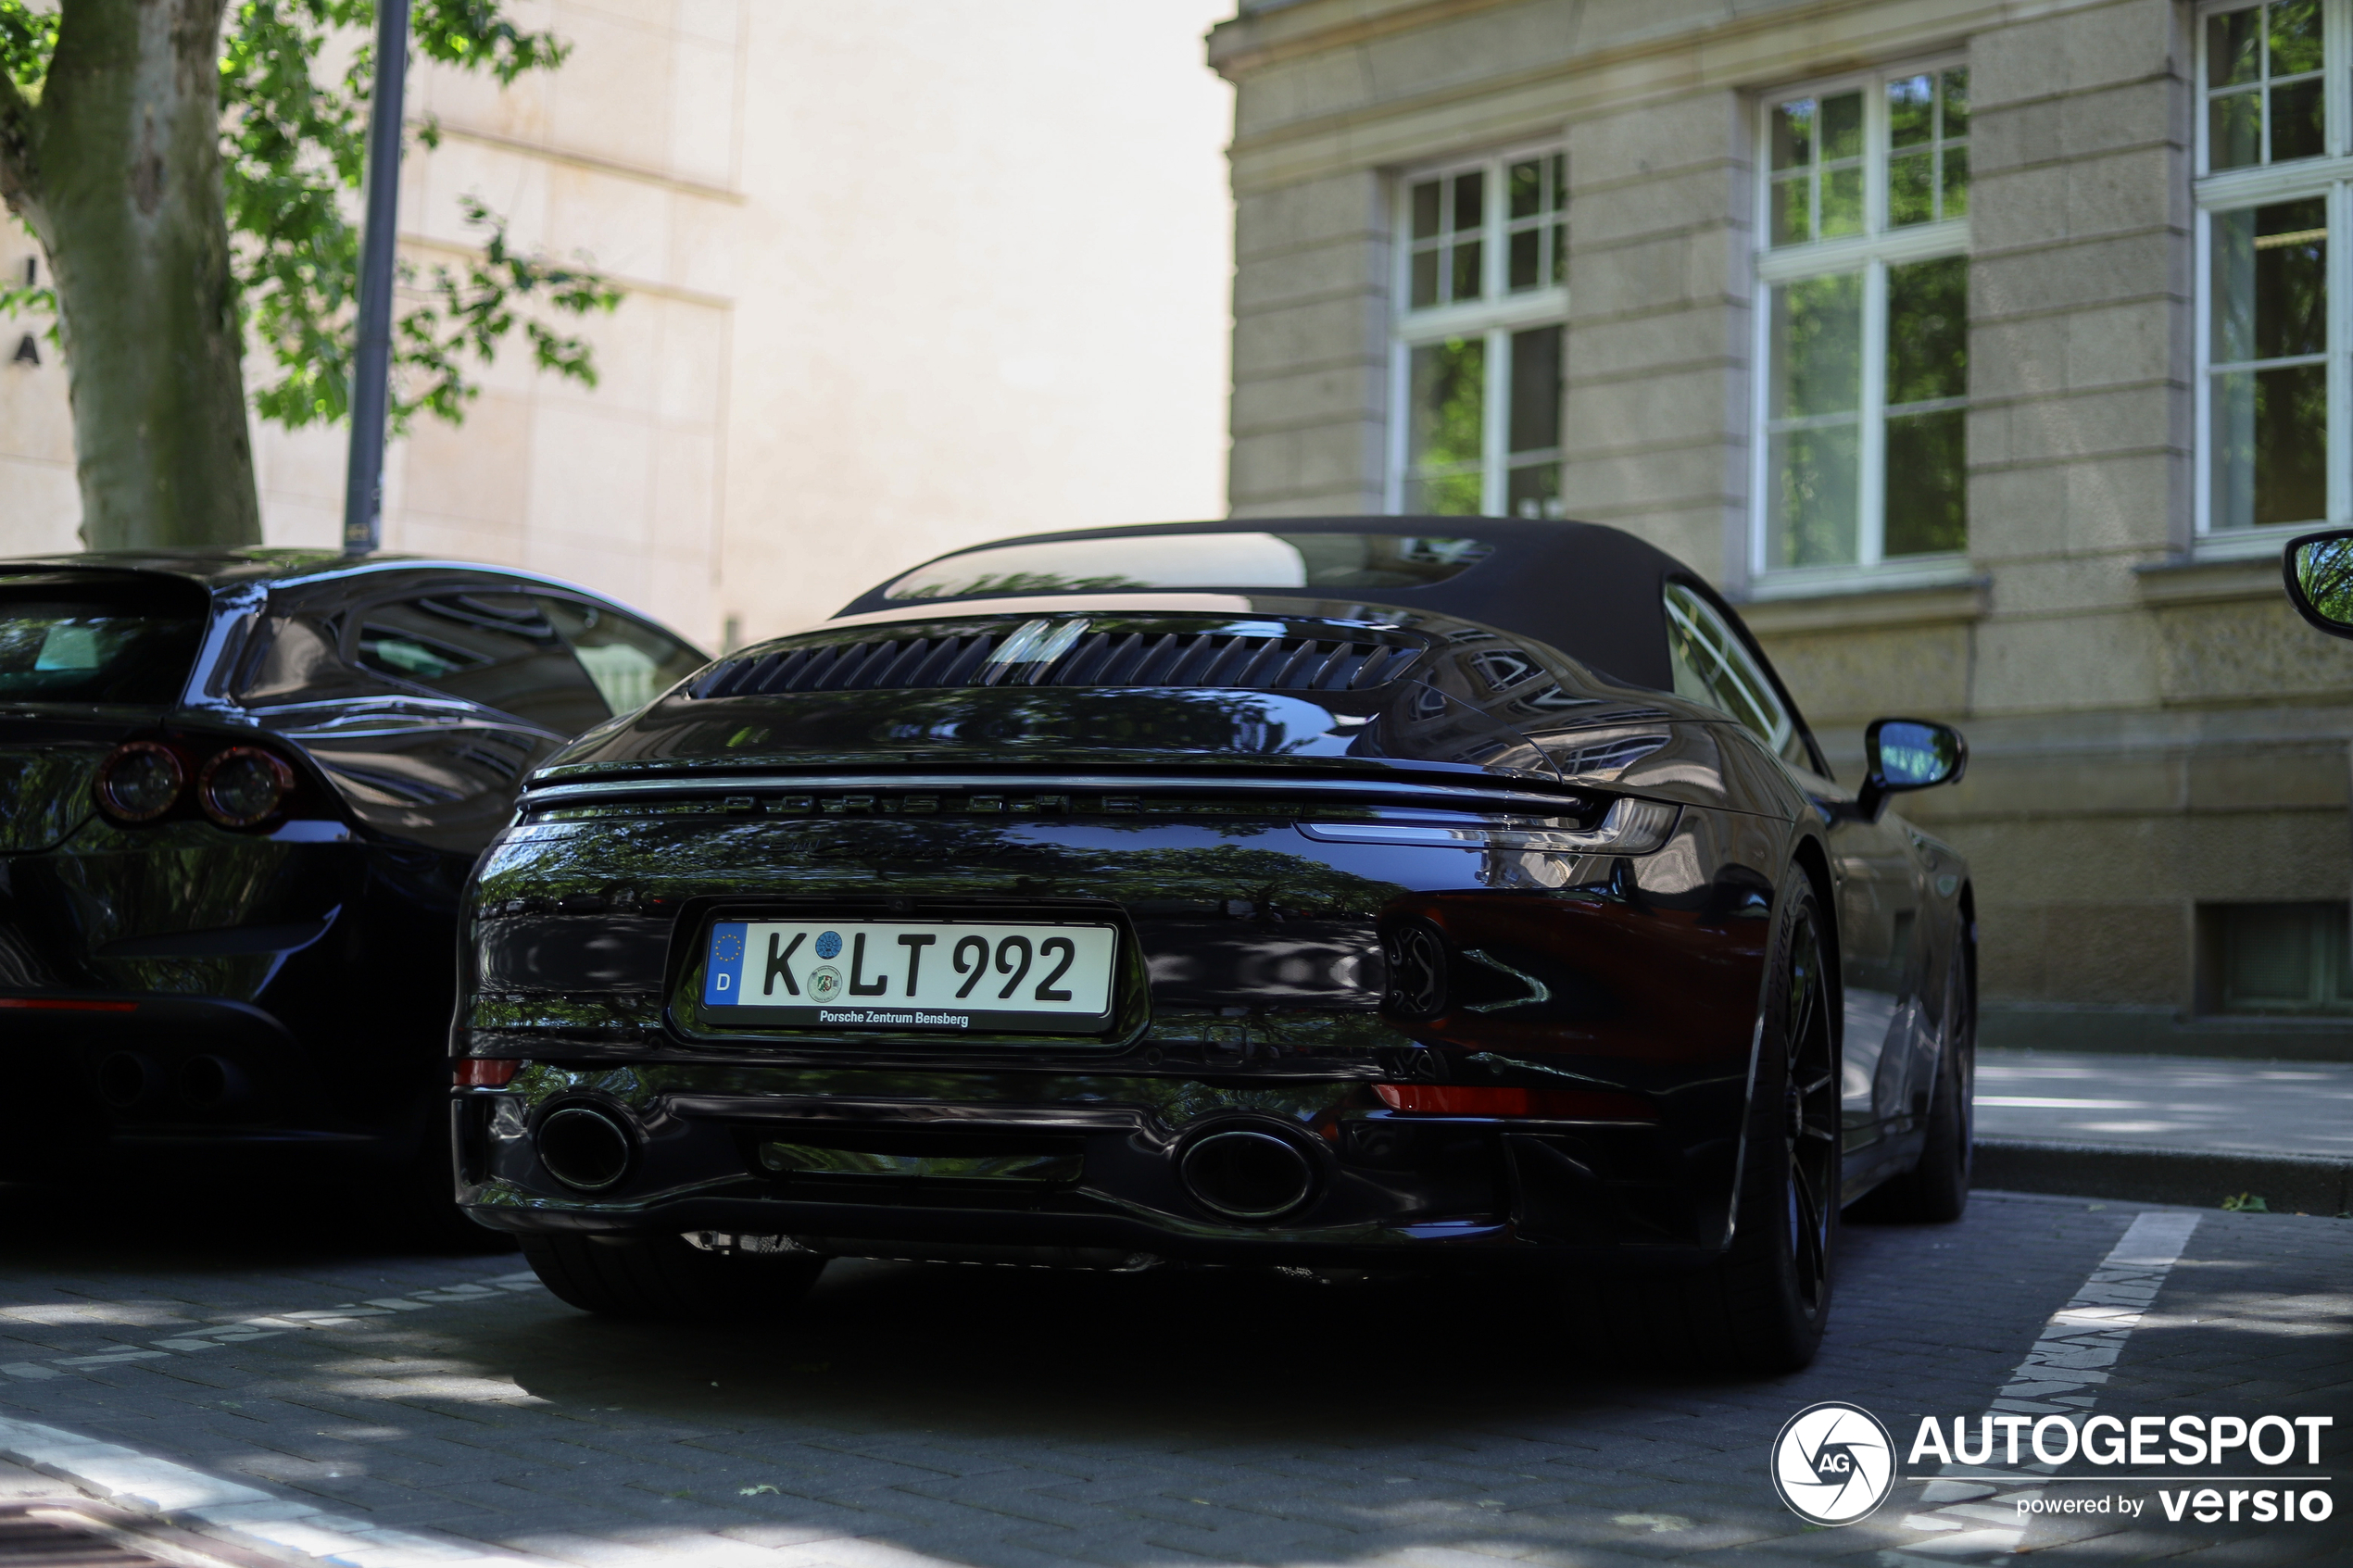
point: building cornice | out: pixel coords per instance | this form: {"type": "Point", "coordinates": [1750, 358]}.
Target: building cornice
{"type": "Point", "coordinates": [1737, 48]}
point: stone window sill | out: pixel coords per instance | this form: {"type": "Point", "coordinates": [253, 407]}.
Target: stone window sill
{"type": "Point", "coordinates": [1954, 598]}
{"type": "Point", "coordinates": [2213, 579]}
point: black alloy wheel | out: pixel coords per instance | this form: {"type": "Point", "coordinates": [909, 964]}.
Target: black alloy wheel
{"type": "Point", "coordinates": [1759, 1309]}
{"type": "Point", "coordinates": [1809, 1129]}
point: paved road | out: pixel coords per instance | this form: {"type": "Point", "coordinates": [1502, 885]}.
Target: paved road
{"type": "Point", "coordinates": [2167, 1101]}
{"type": "Point", "coordinates": [914, 1414]}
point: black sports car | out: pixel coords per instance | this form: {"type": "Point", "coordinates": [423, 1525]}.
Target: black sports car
{"type": "Point", "coordinates": [1356, 893]}
{"type": "Point", "coordinates": [243, 792]}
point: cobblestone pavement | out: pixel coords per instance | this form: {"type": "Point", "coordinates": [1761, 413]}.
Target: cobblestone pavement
{"type": "Point", "coordinates": [2165, 1101]}
{"type": "Point", "coordinates": [921, 1414]}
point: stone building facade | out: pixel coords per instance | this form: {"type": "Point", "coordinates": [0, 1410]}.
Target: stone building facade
{"type": "Point", "coordinates": [1985, 350]}
{"type": "Point", "coordinates": [866, 320]}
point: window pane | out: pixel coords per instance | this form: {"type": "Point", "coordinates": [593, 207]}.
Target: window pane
{"type": "Point", "coordinates": [1449, 398]}
{"type": "Point", "coordinates": [2295, 37]}
{"type": "Point", "coordinates": [1560, 181]}
{"type": "Point", "coordinates": [1792, 212]}
{"type": "Point", "coordinates": [2270, 282]}
{"type": "Point", "coordinates": [1911, 111]}
{"type": "Point", "coordinates": [1928, 331]}
{"type": "Point", "coordinates": [1467, 283]}
{"type": "Point", "coordinates": [1817, 346]}
{"type": "Point", "coordinates": [1453, 495]}
{"type": "Point", "coordinates": [1955, 182]}
{"type": "Point", "coordinates": [2234, 132]}
{"type": "Point", "coordinates": [2278, 957]}
{"type": "Point", "coordinates": [2270, 446]}
{"type": "Point", "coordinates": [1814, 519]}
{"type": "Point", "coordinates": [1712, 665]}
{"type": "Point", "coordinates": [1957, 102]}
{"type": "Point", "coordinates": [1926, 509]}
{"type": "Point", "coordinates": [1536, 390]}
{"type": "Point", "coordinates": [1842, 126]}
{"type": "Point", "coordinates": [1527, 259]}
{"type": "Point", "coordinates": [1425, 292]}
{"type": "Point", "coordinates": [1841, 202]}
{"type": "Point", "coordinates": [1527, 181]}
{"type": "Point", "coordinates": [1534, 491]}
{"type": "Point", "coordinates": [1793, 133]}
{"type": "Point", "coordinates": [1911, 189]}
{"type": "Point", "coordinates": [1560, 253]}
{"type": "Point", "coordinates": [1425, 209]}
{"type": "Point", "coordinates": [2296, 120]}
{"type": "Point", "coordinates": [2233, 47]}
{"type": "Point", "coordinates": [1469, 206]}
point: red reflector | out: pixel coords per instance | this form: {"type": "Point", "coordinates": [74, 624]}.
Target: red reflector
{"type": "Point", "coordinates": [1471, 1099]}
{"type": "Point", "coordinates": [58, 1004]}
{"type": "Point", "coordinates": [486, 1072]}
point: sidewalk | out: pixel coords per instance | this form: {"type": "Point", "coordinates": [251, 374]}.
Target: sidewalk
{"type": "Point", "coordinates": [2167, 1129]}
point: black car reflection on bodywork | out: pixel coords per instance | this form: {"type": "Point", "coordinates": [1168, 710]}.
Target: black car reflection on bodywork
{"type": "Point", "coordinates": [245, 790]}
{"type": "Point", "coordinates": [1460, 893]}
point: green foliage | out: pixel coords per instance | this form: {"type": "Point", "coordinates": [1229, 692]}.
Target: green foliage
{"type": "Point", "coordinates": [293, 148]}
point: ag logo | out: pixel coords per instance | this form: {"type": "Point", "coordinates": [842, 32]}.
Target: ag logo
{"type": "Point", "coordinates": [824, 983]}
{"type": "Point", "coordinates": [1833, 1463]}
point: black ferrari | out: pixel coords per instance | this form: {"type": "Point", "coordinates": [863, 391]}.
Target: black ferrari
{"type": "Point", "coordinates": [245, 790]}
{"type": "Point", "coordinates": [1391, 894]}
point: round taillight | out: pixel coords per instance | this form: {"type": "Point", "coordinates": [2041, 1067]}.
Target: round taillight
{"type": "Point", "coordinates": [244, 786]}
{"type": "Point", "coordinates": [140, 781]}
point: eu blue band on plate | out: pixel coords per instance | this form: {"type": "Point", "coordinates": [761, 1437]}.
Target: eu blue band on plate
{"type": "Point", "coordinates": [723, 977]}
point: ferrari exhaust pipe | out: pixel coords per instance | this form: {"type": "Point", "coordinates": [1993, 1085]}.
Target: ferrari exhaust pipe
{"type": "Point", "coordinates": [1246, 1173]}
{"type": "Point", "coordinates": [124, 1079]}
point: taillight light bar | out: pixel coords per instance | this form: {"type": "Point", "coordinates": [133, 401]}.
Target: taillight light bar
{"type": "Point", "coordinates": [486, 1072]}
{"type": "Point", "coordinates": [1479, 1099]}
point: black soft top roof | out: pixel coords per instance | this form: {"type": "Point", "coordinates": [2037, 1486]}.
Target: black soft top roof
{"type": "Point", "coordinates": [1592, 592]}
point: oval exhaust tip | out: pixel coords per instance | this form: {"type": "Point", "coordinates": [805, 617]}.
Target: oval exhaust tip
{"type": "Point", "coordinates": [583, 1148]}
{"type": "Point", "coordinates": [1247, 1174]}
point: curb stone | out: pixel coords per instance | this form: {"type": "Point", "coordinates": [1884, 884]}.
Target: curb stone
{"type": "Point", "coordinates": [2307, 1183]}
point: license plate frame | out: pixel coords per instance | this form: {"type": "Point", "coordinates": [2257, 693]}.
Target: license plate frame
{"type": "Point", "coordinates": [868, 980]}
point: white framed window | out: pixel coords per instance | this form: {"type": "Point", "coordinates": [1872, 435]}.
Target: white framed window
{"type": "Point", "coordinates": [1481, 290]}
{"type": "Point", "coordinates": [2275, 176]}
{"type": "Point", "coordinates": [1862, 322]}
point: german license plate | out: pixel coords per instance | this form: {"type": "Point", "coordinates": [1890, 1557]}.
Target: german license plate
{"type": "Point", "coordinates": [1025, 977]}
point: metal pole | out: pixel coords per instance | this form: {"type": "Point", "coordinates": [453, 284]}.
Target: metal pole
{"type": "Point", "coordinates": [372, 363]}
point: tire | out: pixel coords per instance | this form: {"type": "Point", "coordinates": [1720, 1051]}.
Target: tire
{"type": "Point", "coordinates": [1935, 1190]}
{"type": "Point", "coordinates": [660, 1278]}
{"type": "Point", "coordinates": [1759, 1309]}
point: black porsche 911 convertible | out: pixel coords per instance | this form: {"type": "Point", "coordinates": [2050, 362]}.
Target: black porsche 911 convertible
{"type": "Point", "coordinates": [243, 793]}
{"type": "Point", "coordinates": [1398, 894]}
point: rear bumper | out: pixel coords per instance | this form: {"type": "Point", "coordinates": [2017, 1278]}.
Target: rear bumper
{"type": "Point", "coordinates": [140, 1080]}
{"type": "Point", "coordinates": [1384, 1189]}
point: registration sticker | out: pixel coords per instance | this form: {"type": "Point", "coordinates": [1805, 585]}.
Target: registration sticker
{"type": "Point", "coordinates": [1033, 977]}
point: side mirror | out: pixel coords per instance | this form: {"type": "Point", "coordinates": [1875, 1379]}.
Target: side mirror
{"type": "Point", "coordinates": [1901, 754]}
{"type": "Point", "coordinates": [2319, 569]}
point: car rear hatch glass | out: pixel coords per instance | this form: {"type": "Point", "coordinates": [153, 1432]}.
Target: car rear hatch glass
{"type": "Point", "coordinates": [87, 641]}
{"type": "Point", "coordinates": [79, 637]}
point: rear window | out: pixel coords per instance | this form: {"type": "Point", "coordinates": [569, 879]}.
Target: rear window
{"type": "Point", "coordinates": [1337, 562]}
{"type": "Point", "coordinates": [69, 638]}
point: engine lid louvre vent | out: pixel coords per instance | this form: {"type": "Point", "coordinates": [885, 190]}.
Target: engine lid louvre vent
{"type": "Point", "coordinates": [1214, 659]}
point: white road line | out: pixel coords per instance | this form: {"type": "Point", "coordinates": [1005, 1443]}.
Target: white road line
{"type": "Point", "coordinates": [2061, 1375]}
{"type": "Point", "coordinates": [232, 1511]}
{"type": "Point", "coordinates": [187, 1342]}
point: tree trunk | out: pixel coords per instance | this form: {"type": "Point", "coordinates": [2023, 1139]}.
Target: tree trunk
{"type": "Point", "coordinates": [126, 196]}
